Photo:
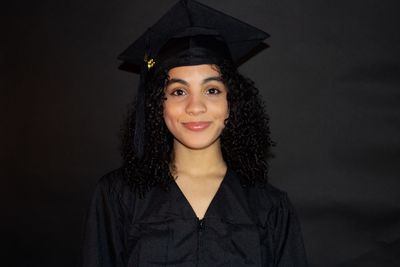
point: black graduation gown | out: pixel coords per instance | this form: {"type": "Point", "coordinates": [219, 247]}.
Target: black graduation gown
{"type": "Point", "coordinates": [252, 226]}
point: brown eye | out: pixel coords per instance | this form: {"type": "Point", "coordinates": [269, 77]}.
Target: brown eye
{"type": "Point", "coordinates": [178, 92]}
{"type": "Point", "coordinates": [213, 91]}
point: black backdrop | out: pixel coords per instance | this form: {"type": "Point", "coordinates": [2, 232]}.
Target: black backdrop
{"type": "Point", "coordinates": [330, 80]}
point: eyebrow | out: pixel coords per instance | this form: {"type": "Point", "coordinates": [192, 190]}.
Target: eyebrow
{"type": "Point", "coordinates": [206, 80]}
{"type": "Point", "coordinates": [214, 78]}
{"type": "Point", "coordinates": [174, 80]}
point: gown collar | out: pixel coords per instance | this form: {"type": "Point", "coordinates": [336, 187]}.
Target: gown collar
{"type": "Point", "coordinates": [228, 204]}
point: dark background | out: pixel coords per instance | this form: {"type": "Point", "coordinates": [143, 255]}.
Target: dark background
{"type": "Point", "coordinates": [330, 80]}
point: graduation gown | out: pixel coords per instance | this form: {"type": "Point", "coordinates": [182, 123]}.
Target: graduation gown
{"type": "Point", "coordinates": [243, 226]}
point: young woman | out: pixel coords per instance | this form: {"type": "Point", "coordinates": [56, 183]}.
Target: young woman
{"type": "Point", "coordinates": [193, 188]}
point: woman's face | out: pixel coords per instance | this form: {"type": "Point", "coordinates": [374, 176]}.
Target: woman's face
{"type": "Point", "coordinates": [196, 106]}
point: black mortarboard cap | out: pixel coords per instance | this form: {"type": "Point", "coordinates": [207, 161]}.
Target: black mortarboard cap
{"type": "Point", "coordinates": [240, 37]}
{"type": "Point", "coordinates": [190, 33]}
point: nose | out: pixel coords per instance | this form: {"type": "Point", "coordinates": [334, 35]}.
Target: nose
{"type": "Point", "coordinates": [196, 105]}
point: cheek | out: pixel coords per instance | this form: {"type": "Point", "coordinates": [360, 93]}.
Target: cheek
{"type": "Point", "coordinates": [170, 114]}
{"type": "Point", "coordinates": [224, 110]}
{"type": "Point", "coordinates": [166, 115]}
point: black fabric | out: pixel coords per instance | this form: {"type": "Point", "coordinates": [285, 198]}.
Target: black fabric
{"type": "Point", "coordinates": [252, 226]}
{"type": "Point", "coordinates": [240, 37]}
{"type": "Point", "coordinates": [192, 50]}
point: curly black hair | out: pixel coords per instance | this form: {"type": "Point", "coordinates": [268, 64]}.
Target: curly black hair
{"type": "Point", "coordinates": [245, 140]}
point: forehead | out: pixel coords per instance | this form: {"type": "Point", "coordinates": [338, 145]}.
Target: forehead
{"type": "Point", "coordinates": [194, 72]}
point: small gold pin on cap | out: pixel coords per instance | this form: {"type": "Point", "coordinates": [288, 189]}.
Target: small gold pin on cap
{"type": "Point", "coordinates": [150, 62]}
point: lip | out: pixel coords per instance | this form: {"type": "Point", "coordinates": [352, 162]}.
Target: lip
{"type": "Point", "coordinates": [196, 126]}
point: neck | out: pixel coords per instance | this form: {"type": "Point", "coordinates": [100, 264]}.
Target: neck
{"type": "Point", "coordinates": [198, 161]}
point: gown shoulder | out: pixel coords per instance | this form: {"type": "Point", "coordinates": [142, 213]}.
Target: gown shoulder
{"type": "Point", "coordinates": [106, 222]}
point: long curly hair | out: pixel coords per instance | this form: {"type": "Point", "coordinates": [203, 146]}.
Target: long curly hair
{"type": "Point", "coordinates": [245, 140]}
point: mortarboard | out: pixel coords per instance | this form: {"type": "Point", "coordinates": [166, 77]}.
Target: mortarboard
{"type": "Point", "coordinates": [190, 33]}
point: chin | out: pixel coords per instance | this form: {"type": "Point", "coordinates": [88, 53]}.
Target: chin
{"type": "Point", "coordinates": [198, 144]}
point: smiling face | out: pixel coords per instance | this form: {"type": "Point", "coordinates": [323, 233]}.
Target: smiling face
{"type": "Point", "coordinates": [196, 105]}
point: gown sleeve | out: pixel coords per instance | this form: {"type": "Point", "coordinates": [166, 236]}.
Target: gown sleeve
{"type": "Point", "coordinates": [103, 244]}
{"type": "Point", "coordinates": [289, 246]}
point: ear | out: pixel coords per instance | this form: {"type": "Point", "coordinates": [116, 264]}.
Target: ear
{"type": "Point", "coordinates": [227, 113]}
{"type": "Point", "coordinates": [227, 117]}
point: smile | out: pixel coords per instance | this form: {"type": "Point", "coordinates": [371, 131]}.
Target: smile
{"type": "Point", "coordinates": [196, 125]}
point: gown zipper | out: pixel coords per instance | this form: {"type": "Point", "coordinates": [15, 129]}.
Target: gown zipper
{"type": "Point", "coordinates": [200, 228]}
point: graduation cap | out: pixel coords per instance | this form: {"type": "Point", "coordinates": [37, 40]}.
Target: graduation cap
{"type": "Point", "coordinates": [190, 33]}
